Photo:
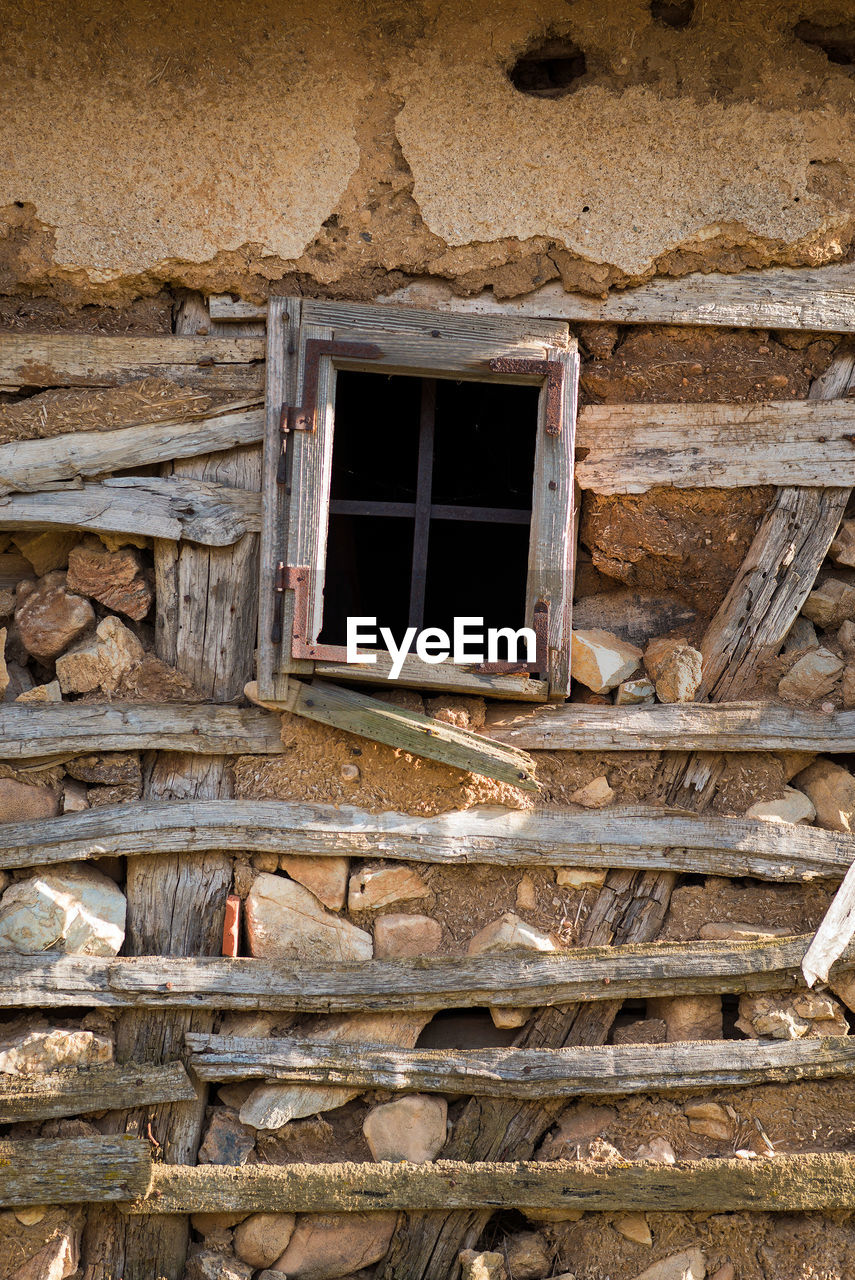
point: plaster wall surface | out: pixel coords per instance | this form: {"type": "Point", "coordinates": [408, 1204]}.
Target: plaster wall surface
{"type": "Point", "coordinates": [345, 146]}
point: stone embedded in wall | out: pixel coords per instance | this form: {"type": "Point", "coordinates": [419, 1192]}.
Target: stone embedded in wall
{"type": "Point", "coordinates": [112, 768]}
{"type": "Point", "coordinates": [688, 1017]}
{"type": "Point", "coordinates": [116, 579]}
{"type": "Point", "coordinates": [7, 603]}
{"type": "Point", "coordinates": [801, 636]}
{"type": "Point", "coordinates": [49, 617]}
{"type": "Point", "coordinates": [831, 790]}
{"type": "Point", "coordinates": [40, 1244]}
{"type": "Point", "coordinates": [286, 922]}
{"type": "Point", "coordinates": [644, 1031]}
{"type": "Point", "coordinates": [39, 1049]}
{"type": "Point", "coordinates": [46, 549]}
{"type": "Point", "coordinates": [600, 661]}
{"type": "Point", "coordinates": [411, 1128]}
{"type": "Point", "coordinates": [325, 1246]}
{"type": "Point", "coordinates": [596, 794]}
{"type": "Point", "coordinates": [784, 1017]}
{"type": "Point", "coordinates": [580, 878]}
{"type": "Point", "coordinates": [49, 692]}
{"type": "Point", "coordinates": [710, 1120]}
{"type": "Point", "coordinates": [77, 910]}
{"type": "Point", "coordinates": [846, 636]}
{"type": "Point", "coordinates": [213, 1264]}
{"type": "Point", "coordinates": [632, 693]}
{"type": "Point", "coordinates": [635, 1227]}
{"type": "Point", "coordinates": [675, 667]}
{"type": "Point", "coordinates": [227, 1140]}
{"type": "Point", "coordinates": [22, 803]}
{"type": "Point", "coordinates": [689, 1265]}
{"type": "Point", "coordinates": [656, 1151]}
{"type": "Point", "coordinates": [325, 877]}
{"type": "Point", "coordinates": [811, 676]}
{"type": "Point", "coordinates": [736, 931]}
{"type": "Point", "coordinates": [792, 806]}
{"type": "Point", "coordinates": [398, 937]}
{"type": "Point", "coordinates": [101, 661]}
{"type": "Point", "coordinates": [263, 1237]}
{"type": "Point", "coordinates": [527, 1256]}
{"type": "Point", "coordinates": [485, 1265]}
{"type": "Point", "coordinates": [509, 933]}
{"type": "Point", "coordinates": [830, 603]}
{"type": "Point", "coordinates": [842, 549]}
{"type": "Point", "coordinates": [372, 888]}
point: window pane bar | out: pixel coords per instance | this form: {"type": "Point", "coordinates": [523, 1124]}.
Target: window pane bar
{"type": "Point", "coordinates": [424, 483]}
{"type": "Point", "coordinates": [483, 515]}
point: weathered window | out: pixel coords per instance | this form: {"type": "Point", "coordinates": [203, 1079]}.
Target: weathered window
{"type": "Point", "coordinates": [418, 468]}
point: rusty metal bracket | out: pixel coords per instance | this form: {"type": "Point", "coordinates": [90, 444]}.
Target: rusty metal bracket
{"type": "Point", "coordinates": [296, 579]}
{"type": "Point", "coordinates": [551, 370]}
{"type": "Point", "coordinates": [538, 668]}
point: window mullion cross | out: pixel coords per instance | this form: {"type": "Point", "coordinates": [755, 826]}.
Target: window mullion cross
{"type": "Point", "coordinates": [424, 485]}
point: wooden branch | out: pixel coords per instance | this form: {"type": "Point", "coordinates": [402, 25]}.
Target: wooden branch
{"type": "Point", "coordinates": [29, 732]}
{"type": "Point", "coordinates": [586, 974]}
{"type": "Point", "coordinates": [29, 465]}
{"type": "Point", "coordinates": [821, 298]}
{"type": "Point", "coordinates": [785, 1184]}
{"type": "Point", "coordinates": [407, 730]}
{"type": "Point", "coordinates": [525, 1073]}
{"type": "Point", "coordinates": [170, 508]}
{"type": "Point", "coordinates": [736, 726]}
{"type": "Point", "coordinates": [638, 838]}
{"type": "Point", "coordinates": [98, 360]}
{"type": "Point", "coordinates": [629, 448]}
{"type": "Point", "coordinates": [73, 1170]}
{"type": "Point", "coordinates": [75, 1093]}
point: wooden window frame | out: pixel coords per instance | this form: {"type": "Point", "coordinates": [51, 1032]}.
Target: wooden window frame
{"type": "Point", "coordinates": [308, 341]}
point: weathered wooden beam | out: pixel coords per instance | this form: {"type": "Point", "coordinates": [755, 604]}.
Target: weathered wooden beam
{"type": "Point", "coordinates": [398, 727]}
{"type": "Point", "coordinates": [73, 1170]}
{"type": "Point", "coordinates": [29, 465]}
{"type": "Point", "coordinates": [733, 726]}
{"type": "Point", "coordinates": [76, 1092]}
{"type": "Point", "coordinates": [820, 298]}
{"type": "Point", "coordinates": [629, 448]}
{"type": "Point", "coordinates": [525, 1073]}
{"type": "Point", "coordinates": [99, 360]}
{"type": "Point", "coordinates": [586, 974]}
{"type": "Point", "coordinates": [784, 1184]}
{"type": "Point", "coordinates": [161, 507]}
{"type": "Point", "coordinates": [637, 838]}
{"type": "Point", "coordinates": [444, 678]}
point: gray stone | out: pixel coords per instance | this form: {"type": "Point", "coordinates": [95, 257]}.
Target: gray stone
{"type": "Point", "coordinates": [811, 676]}
{"type": "Point", "coordinates": [77, 910]}
{"type": "Point", "coordinates": [285, 921]}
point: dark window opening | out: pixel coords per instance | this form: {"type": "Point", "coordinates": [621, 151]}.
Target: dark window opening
{"type": "Point", "coordinates": [837, 43]}
{"type": "Point", "coordinates": [430, 503]}
{"type": "Point", "coordinates": [549, 69]}
{"type": "Point", "coordinates": [673, 13]}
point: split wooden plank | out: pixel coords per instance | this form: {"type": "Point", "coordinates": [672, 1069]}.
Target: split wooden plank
{"type": "Point", "coordinates": [787, 1184]}
{"type": "Point", "coordinates": [629, 448]}
{"type": "Point", "coordinates": [525, 1073]}
{"type": "Point", "coordinates": [99, 360]}
{"type": "Point", "coordinates": [415, 674]}
{"type": "Point", "coordinates": [30, 732]}
{"type": "Point", "coordinates": [346, 709]}
{"type": "Point", "coordinates": [586, 974]}
{"type": "Point", "coordinates": [820, 298]}
{"type": "Point", "coordinates": [77, 1092]}
{"type": "Point", "coordinates": [29, 465]}
{"type": "Point", "coordinates": [73, 1170]}
{"type": "Point", "coordinates": [162, 507]}
{"type": "Point", "coordinates": [635, 838]}
{"type": "Point", "coordinates": [734, 726]}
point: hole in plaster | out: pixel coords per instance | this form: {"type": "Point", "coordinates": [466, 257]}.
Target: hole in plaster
{"type": "Point", "coordinates": [837, 43]}
{"type": "Point", "coordinates": [672, 13]}
{"type": "Point", "coordinates": [549, 69]}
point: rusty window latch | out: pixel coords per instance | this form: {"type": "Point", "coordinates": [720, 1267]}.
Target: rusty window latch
{"type": "Point", "coordinates": [538, 668]}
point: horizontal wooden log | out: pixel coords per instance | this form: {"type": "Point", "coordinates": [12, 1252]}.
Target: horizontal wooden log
{"type": "Point", "coordinates": [785, 1184]}
{"type": "Point", "coordinates": [170, 507]}
{"type": "Point", "coordinates": [638, 838]}
{"type": "Point", "coordinates": [29, 465]}
{"type": "Point", "coordinates": [821, 299]}
{"type": "Point", "coordinates": [636, 971]}
{"type": "Point", "coordinates": [443, 678]}
{"type": "Point", "coordinates": [99, 360]}
{"type": "Point", "coordinates": [723, 726]}
{"type": "Point", "coordinates": [77, 1092]}
{"type": "Point", "coordinates": [525, 1073]}
{"type": "Point", "coordinates": [30, 732]}
{"type": "Point", "coordinates": [73, 1170]}
{"type": "Point", "coordinates": [629, 448]}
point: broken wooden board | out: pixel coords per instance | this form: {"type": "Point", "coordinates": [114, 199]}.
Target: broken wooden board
{"type": "Point", "coordinates": [29, 465]}
{"type": "Point", "coordinates": [406, 730]}
{"type": "Point", "coordinates": [820, 299]}
{"type": "Point", "coordinates": [444, 677]}
{"type": "Point", "coordinates": [786, 1184]}
{"type": "Point", "coordinates": [587, 974]}
{"type": "Point", "coordinates": [99, 360]}
{"type": "Point", "coordinates": [637, 838]}
{"type": "Point", "coordinates": [629, 448]}
{"type": "Point", "coordinates": [31, 732]}
{"type": "Point", "coordinates": [73, 1170]}
{"type": "Point", "coordinates": [524, 1073]}
{"type": "Point", "coordinates": [688, 726]}
{"type": "Point", "coordinates": [159, 507]}
{"type": "Point", "coordinates": [77, 1092]}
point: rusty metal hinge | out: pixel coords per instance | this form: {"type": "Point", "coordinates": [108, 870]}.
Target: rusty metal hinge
{"type": "Point", "coordinates": [552, 371]}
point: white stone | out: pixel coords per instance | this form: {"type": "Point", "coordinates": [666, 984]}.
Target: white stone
{"type": "Point", "coordinates": [600, 660]}
{"type": "Point", "coordinates": [78, 910]}
{"type": "Point", "coordinates": [596, 794]}
{"type": "Point", "coordinates": [831, 790]}
{"type": "Point", "coordinates": [580, 878]}
{"type": "Point", "coordinates": [101, 661]}
{"type": "Point", "coordinates": [263, 1237]}
{"type": "Point", "coordinates": [632, 692]}
{"type": "Point", "coordinates": [791, 806]}
{"type": "Point", "coordinates": [811, 676]}
{"type": "Point", "coordinates": [510, 933]}
{"type": "Point", "coordinates": [411, 1128]}
{"type": "Point", "coordinates": [373, 888]}
{"type": "Point", "coordinates": [286, 922]}
{"type": "Point", "coordinates": [40, 1049]}
{"type": "Point", "coordinates": [657, 1151]}
{"type": "Point", "coordinates": [689, 1265]}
